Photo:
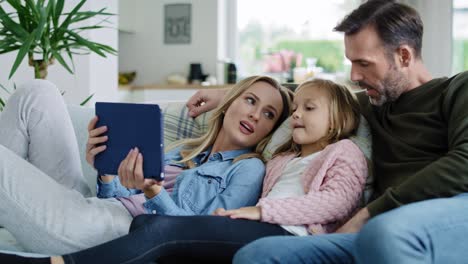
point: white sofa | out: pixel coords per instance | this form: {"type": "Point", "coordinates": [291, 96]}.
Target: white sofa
{"type": "Point", "coordinates": [177, 125]}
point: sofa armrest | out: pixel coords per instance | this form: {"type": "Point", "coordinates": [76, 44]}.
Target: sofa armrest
{"type": "Point", "coordinates": [80, 117]}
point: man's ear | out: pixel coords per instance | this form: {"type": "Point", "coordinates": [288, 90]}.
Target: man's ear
{"type": "Point", "coordinates": [405, 55]}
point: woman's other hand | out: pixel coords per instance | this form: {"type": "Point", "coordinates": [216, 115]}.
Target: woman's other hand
{"type": "Point", "coordinates": [132, 177]}
{"type": "Point", "coordinates": [94, 138]}
{"type": "Point", "coordinates": [205, 100]}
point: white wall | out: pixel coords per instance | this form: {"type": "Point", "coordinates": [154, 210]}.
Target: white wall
{"type": "Point", "coordinates": [144, 49]}
{"type": "Point", "coordinates": [437, 40]}
{"type": "Point", "coordinates": [93, 74]}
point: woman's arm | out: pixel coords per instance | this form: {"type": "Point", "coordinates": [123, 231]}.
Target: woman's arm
{"type": "Point", "coordinates": [111, 186]}
{"type": "Point", "coordinates": [243, 189]}
{"type": "Point", "coordinates": [205, 100]}
{"type": "Point", "coordinates": [113, 189]}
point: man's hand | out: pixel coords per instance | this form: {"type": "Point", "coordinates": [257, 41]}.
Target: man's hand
{"type": "Point", "coordinates": [250, 213]}
{"type": "Point", "coordinates": [205, 100]}
{"type": "Point", "coordinates": [355, 224]}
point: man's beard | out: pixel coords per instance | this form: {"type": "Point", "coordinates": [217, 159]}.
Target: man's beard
{"type": "Point", "coordinates": [392, 86]}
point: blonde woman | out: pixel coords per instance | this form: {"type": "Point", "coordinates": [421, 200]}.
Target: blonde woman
{"type": "Point", "coordinates": [48, 215]}
{"type": "Point", "coordinates": [312, 185]}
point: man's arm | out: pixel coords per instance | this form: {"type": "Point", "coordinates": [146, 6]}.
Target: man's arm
{"type": "Point", "coordinates": [205, 100]}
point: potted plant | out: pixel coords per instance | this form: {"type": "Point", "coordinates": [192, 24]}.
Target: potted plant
{"type": "Point", "coordinates": [43, 33]}
{"type": "Point", "coordinates": [2, 101]}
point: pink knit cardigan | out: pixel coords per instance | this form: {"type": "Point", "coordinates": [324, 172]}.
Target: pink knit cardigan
{"type": "Point", "coordinates": [333, 182]}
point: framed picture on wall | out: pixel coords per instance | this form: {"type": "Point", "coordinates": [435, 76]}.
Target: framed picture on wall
{"type": "Point", "coordinates": [177, 23]}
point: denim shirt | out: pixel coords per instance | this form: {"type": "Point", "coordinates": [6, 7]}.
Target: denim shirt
{"type": "Point", "coordinates": [215, 183]}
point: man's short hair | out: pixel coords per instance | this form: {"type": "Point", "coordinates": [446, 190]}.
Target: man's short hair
{"type": "Point", "coordinates": [395, 24]}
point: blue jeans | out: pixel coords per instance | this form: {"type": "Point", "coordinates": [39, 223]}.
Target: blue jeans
{"type": "Point", "coordinates": [329, 248]}
{"type": "Point", "coordinates": [433, 231]}
{"type": "Point", "coordinates": [178, 239]}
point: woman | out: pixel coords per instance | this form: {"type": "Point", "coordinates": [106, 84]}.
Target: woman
{"type": "Point", "coordinates": [43, 203]}
{"type": "Point", "coordinates": [312, 185]}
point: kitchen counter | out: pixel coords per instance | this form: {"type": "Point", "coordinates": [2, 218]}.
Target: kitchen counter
{"type": "Point", "coordinates": [173, 86]}
{"type": "Point", "coordinates": [162, 92]}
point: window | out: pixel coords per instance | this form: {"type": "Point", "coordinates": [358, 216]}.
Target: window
{"type": "Point", "coordinates": [460, 35]}
{"type": "Point", "coordinates": [277, 36]}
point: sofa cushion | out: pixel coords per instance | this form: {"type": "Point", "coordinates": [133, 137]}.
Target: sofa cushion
{"type": "Point", "coordinates": [178, 124]}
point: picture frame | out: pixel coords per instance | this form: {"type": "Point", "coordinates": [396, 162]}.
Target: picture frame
{"type": "Point", "coordinates": [177, 23]}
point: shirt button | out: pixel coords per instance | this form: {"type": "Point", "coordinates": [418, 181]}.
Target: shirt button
{"type": "Point", "coordinates": [209, 181]}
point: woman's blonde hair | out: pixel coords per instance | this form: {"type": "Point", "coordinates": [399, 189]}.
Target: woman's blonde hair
{"type": "Point", "coordinates": [344, 113]}
{"type": "Point", "coordinates": [193, 147]}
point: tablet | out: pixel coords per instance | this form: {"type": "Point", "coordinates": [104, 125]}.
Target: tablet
{"type": "Point", "coordinates": [129, 126]}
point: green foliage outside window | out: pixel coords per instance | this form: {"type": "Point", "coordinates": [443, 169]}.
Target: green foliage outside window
{"type": "Point", "coordinates": [460, 51]}
{"type": "Point", "coordinates": [329, 53]}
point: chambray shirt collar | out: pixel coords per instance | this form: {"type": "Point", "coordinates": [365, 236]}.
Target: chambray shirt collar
{"type": "Point", "coordinates": [232, 154]}
{"type": "Point", "coordinates": [223, 155]}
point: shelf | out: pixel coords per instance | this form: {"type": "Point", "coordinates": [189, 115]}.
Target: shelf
{"type": "Point", "coordinates": [126, 31]}
{"type": "Point", "coordinates": [171, 87]}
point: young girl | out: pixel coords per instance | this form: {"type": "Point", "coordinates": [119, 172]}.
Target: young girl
{"type": "Point", "coordinates": [43, 204]}
{"type": "Point", "coordinates": [311, 187]}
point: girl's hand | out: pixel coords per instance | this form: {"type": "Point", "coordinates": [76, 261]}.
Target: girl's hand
{"type": "Point", "coordinates": [94, 138]}
{"type": "Point", "coordinates": [250, 213]}
{"type": "Point", "coordinates": [219, 212]}
{"type": "Point", "coordinates": [131, 175]}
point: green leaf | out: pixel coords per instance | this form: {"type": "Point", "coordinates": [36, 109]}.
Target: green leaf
{"type": "Point", "coordinates": [58, 12]}
{"type": "Point", "coordinates": [40, 3]}
{"type": "Point", "coordinates": [9, 49]}
{"type": "Point", "coordinates": [64, 26]}
{"type": "Point", "coordinates": [34, 11]}
{"type": "Point", "coordinates": [15, 4]}
{"type": "Point", "coordinates": [42, 21]}
{"type": "Point", "coordinates": [5, 89]}
{"type": "Point", "coordinates": [88, 28]}
{"type": "Point", "coordinates": [22, 53]}
{"type": "Point", "coordinates": [106, 48]}
{"type": "Point", "coordinates": [12, 26]}
{"type": "Point", "coordinates": [69, 53]}
{"type": "Point", "coordinates": [88, 14]}
{"type": "Point", "coordinates": [61, 60]}
{"type": "Point", "coordinates": [87, 100]}
{"type": "Point", "coordinates": [88, 44]}
{"type": "Point", "coordinates": [2, 104]}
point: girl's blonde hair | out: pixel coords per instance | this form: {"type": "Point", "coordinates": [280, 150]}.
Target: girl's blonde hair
{"type": "Point", "coordinates": [193, 147]}
{"type": "Point", "coordinates": [344, 114]}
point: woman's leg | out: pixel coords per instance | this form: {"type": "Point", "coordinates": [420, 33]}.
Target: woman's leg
{"type": "Point", "coordinates": [46, 217]}
{"type": "Point", "coordinates": [36, 126]}
{"type": "Point", "coordinates": [328, 248]}
{"type": "Point", "coordinates": [206, 238]}
{"type": "Point", "coordinates": [433, 231]}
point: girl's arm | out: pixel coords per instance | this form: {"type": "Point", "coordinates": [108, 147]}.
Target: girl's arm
{"type": "Point", "coordinates": [337, 198]}
{"type": "Point", "coordinates": [243, 189]}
